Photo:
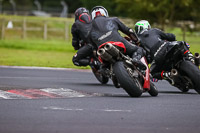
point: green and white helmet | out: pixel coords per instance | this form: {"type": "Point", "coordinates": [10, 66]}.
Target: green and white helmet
{"type": "Point", "coordinates": [142, 26]}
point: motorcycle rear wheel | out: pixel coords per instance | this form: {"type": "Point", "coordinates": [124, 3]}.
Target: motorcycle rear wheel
{"type": "Point", "coordinates": [192, 72]}
{"type": "Point", "coordinates": [131, 85]}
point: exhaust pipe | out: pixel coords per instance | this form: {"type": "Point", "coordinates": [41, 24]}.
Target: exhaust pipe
{"type": "Point", "coordinates": [197, 59]}
{"type": "Point", "coordinates": [104, 55]}
{"type": "Point", "coordinates": [111, 49]}
{"type": "Point", "coordinates": [174, 72]}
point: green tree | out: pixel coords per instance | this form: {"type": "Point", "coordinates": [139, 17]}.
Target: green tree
{"type": "Point", "coordinates": [158, 11]}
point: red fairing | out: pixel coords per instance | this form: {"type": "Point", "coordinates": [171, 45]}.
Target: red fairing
{"type": "Point", "coordinates": [119, 44]}
{"type": "Point", "coordinates": [147, 77]}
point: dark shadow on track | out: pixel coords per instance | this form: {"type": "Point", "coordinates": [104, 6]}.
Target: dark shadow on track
{"type": "Point", "coordinates": [125, 95]}
{"type": "Point", "coordinates": [114, 95]}
{"type": "Point", "coordinates": [177, 92]}
{"type": "Point", "coordinates": [92, 84]}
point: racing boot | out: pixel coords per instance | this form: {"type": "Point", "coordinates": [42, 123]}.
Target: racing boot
{"type": "Point", "coordinates": [80, 62]}
{"type": "Point", "coordinates": [190, 56]}
{"type": "Point", "coordinates": [139, 64]}
{"type": "Point", "coordinates": [163, 75]}
{"type": "Point", "coordinates": [94, 63]}
{"type": "Point", "coordinates": [187, 52]}
{"type": "Point", "coordinates": [136, 61]}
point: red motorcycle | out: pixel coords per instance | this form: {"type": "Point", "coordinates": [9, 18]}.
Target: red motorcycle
{"type": "Point", "coordinates": [123, 72]}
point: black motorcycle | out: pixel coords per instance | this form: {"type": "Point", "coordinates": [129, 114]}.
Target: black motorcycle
{"type": "Point", "coordinates": [185, 74]}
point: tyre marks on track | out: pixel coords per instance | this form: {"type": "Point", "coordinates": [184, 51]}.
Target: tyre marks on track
{"type": "Point", "coordinates": [41, 93]}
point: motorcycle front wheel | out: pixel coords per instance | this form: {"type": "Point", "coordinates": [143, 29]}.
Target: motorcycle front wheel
{"type": "Point", "coordinates": [153, 90]}
{"type": "Point", "coordinates": [99, 76]}
{"type": "Point", "coordinates": [130, 84]}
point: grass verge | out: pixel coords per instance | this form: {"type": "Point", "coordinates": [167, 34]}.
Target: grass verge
{"type": "Point", "coordinates": [49, 53]}
{"type": "Point", "coordinates": [37, 53]}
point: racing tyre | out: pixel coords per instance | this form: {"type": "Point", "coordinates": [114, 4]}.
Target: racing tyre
{"type": "Point", "coordinates": [184, 90]}
{"type": "Point", "coordinates": [115, 82]}
{"type": "Point", "coordinates": [153, 90]}
{"type": "Point", "coordinates": [100, 77]}
{"type": "Point", "coordinates": [193, 72]}
{"type": "Point", "coordinates": [130, 84]}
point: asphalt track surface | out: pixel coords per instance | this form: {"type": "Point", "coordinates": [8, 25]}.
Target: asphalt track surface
{"type": "Point", "coordinates": [35, 100]}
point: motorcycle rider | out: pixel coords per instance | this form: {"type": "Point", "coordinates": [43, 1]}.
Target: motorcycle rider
{"type": "Point", "coordinates": [157, 44]}
{"type": "Point", "coordinates": [80, 37]}
{"type": "Point", "coordinates": [105, 28]}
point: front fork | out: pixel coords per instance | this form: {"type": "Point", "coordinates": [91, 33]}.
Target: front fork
{"type": "Point", "coordinates": [145, 75]}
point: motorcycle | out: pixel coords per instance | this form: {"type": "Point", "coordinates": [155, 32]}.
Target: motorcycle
{"type": "Point", "coordinates": [96, 69]}
{"type": "Point", "coordinates": [185, 74]}
{"type": "Point", "coordinates": [123, 72]}
{"type": "Point", "coordinates": [95, 65]}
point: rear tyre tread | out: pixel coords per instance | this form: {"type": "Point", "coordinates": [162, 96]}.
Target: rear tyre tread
{"type": "Point", "coordinates": [192, 72]}
{"type": "Point", "coordinates": [153, 90]}
{"type": "Point", "coordinates": [133, 88]}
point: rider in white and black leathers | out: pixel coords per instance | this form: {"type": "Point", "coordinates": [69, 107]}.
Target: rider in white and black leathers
{"type": "Point", "coordinates": [80, 37]}
{"type": "Point", "coordinates": [157, 44]}
{"type": "Point", "coordinates": [105, 29]}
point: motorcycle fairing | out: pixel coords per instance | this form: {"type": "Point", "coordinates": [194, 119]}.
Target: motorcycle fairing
{"type": "Point", "coordinates": [119, 44]}
{"type": "Point", "coordinates": [146, 84]}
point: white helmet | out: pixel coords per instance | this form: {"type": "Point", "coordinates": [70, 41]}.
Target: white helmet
{"type": "Point", "coordinates": [142, 26]}
{"type": "Point", "coordinates": [99, 11]}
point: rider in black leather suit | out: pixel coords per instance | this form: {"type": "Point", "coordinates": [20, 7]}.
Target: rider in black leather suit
{"type": "Point", "coordinates": [80, 37]}
{"type": "Point", "coordinates": [157, 44]}
{"type": "Point", "coordinates": [105, 29]}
